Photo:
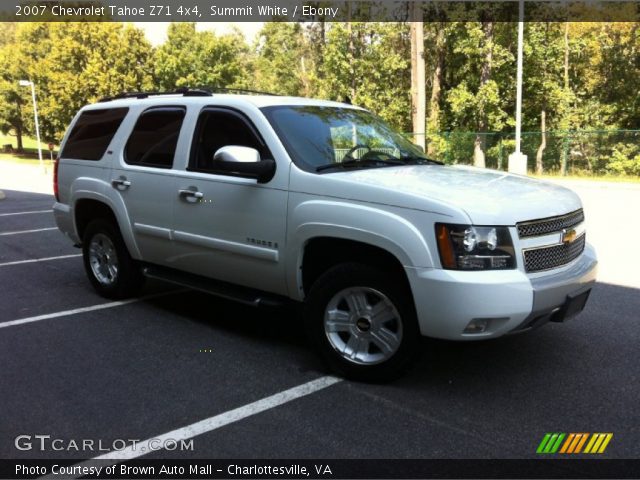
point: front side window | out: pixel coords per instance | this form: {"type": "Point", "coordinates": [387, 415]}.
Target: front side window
{"type": "Point", "coordinates": [155, 137]}
{"type": "Point", "coordinates": [331, 138]}
{"type": "Point", "coordinates": [92, 133]}
{"type": "Point", "coordinates": [217, 128]}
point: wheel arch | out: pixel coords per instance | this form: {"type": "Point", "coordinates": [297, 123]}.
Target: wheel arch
{"type": "Point", "coordinates": [331, 226]}
{"type": "Point", "coordinates": [324, 252]}
{"type": "Point", "coordinates": [90, 205]}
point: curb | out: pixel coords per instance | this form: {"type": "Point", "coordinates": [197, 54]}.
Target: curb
{"type": "Point", "coordinates": [2, 195]}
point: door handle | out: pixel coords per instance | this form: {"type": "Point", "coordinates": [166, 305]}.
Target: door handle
{"type": "Point", "coordinates": [190, 195]}
{"type": "Point", "coordinates": [120, 183]}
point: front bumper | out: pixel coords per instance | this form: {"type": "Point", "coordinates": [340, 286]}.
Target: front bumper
{"type": "Point", "coordinates": [506, 300]}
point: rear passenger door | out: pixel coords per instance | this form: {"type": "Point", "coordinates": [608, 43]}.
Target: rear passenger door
{"type": "Point", "coordinates": [144, 180]}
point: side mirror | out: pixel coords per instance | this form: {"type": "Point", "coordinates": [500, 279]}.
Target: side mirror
{"type": "Point", "coordinates": [244, 162]}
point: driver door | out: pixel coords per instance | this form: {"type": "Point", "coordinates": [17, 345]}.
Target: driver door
{"type": "Point", "coordinates": [230, 228]}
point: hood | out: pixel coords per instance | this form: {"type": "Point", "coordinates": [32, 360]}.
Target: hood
{"type": "Point", "coordinates": [489, 197]}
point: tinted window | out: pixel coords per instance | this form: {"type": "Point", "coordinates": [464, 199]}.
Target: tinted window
{"type": "Point", "coordinates": [92, 133]}
{"type": "Point", "coordinates": [219, 128]}
{"type": "Point", "coordinates": [154, 138]}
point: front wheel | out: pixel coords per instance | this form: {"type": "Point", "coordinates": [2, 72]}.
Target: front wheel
{"type": "Point", "coordinates": [110, 268]}
{"type": "Point", "coordinates": [362, 322]}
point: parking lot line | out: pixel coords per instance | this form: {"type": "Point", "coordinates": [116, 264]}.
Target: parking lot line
{"type": "Point", "coordinates": [34, 260]}
{"type": "Point", "coordinates": [27, 231]}
{"type": "Point", "coordinates": [207, 425]}
{"type": "Point", "coordinates": [154, 444]}
{"type": "Point", "coordinates": [100, 306]}
{"type": "Point", "coordinates": [221, 420]}
{"type": "Point", "coordinates": [25, 213]}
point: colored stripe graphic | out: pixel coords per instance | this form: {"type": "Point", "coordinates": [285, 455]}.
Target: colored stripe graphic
{"type": "Point", "coordinates": [543, 443]}
{"type": "Point", "coordinates": [598, 442]}
{"type": "Point", "coordinates": [581, 442]}
{"type": "Point", "coordinates": [567, 443]}
{"type": "Point", "coordinates": [551, 443]}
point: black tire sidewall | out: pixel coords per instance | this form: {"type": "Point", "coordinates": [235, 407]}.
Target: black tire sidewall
{"type": "Point", "coordinates": [129, 278]}
{"type": "Point", "coordinates": [352, 275]}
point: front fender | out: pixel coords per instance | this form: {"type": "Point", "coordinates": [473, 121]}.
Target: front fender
{"type": "Point", "coordinates": [349, 221]}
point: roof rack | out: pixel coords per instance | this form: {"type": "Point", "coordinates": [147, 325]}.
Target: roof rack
{"type": "Point", "coordinates": [239, 90]}
{"type": "Point", "coordinates": [187, 92]}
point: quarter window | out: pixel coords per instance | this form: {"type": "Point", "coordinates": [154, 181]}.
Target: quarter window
{"type": "Point", "coordinates": [155, 137]}
{"type": "Point", "coordinates": [92, 133]}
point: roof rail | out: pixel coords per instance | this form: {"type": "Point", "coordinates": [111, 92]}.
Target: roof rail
{"type": "Point", "coordinates": [239, 90]}
{"type": "Point", "coordinates": [187, 92]}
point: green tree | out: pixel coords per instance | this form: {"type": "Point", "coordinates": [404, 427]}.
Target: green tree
{"type": "Point", "coordinates": [483, 69]}
{"type": "Point", "coordinates": [198, 59]}
{"type": "Point", "coordinates": [373, 73]}
{"type": "Point", "coordinates": [283, 64]}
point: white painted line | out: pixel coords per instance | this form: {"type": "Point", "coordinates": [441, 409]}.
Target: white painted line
{"type": "Point", "coordinates": [34, 260]}
{"type": "Point", "coordinates": [25, 213]}
{"type": "Point", "coordinates": [92, 308]}
{"type": "Point", "coordinates": [218, 421]}
{"type": "Point", "coordinates": [208, 424]}
{"type": "Point", "coordinates": [27, 231]}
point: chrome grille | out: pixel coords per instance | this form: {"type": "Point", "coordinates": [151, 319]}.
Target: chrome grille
{"type": "Point", "coordinates": [544, 226]}
{"type": "Point", "coordinates": [545, 258]}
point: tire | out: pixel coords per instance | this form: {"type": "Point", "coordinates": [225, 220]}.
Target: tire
{"type": "Point", "coordinates": [110, 268]}
{"type": "Point", "coordinates": [362, 322]}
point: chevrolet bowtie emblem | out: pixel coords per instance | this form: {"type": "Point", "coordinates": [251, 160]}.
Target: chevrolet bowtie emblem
{"type": "Point", "coordinates": [568, 235]}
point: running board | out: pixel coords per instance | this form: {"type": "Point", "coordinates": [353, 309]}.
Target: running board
{"type": "Point", "coordinates": [248, 296]}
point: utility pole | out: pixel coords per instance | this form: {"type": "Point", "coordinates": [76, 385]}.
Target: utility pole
{"type": "Point", "coordinates": [517, 160]}
{"type": "Point", "coordinates": [418, 75]}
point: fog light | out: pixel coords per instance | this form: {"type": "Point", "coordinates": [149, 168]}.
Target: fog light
{"type": "Point", "coordinates": [485, 325]}
{"type": "Point", "coordinates": [477, 325]}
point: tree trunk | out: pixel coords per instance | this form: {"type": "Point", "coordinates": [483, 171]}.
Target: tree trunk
{"type": "Point", "coordinates": [543, 143]}
{"type": "Point", "coordinates": [433, 123]}
{"type": "Point", "coordinates": [563, 161]}
{"type": "Point", "coordinates": [485, 76]}
{"type": "Point", "coordinates": [20, 148]}
{"type": "Point", "coordinates": [351, 54]}
{"type": "Point", "coordinates": [19, 127]}
{"type": "Point", "coordinates": [418, 74]}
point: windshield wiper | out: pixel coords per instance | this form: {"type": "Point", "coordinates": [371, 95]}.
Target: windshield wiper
{"type": "Point", "coordinates": [420, 161]}
{"type": "Point", "coordinates": [354, 162]}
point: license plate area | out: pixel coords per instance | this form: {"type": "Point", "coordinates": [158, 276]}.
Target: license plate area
{"type": "Point", "coordinates": [573, 305]}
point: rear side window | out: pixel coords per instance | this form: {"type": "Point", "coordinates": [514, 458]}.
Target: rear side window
{"type": "Point", "coordinates": [155, 137]}
{"type": "Point", "coordinates": [92, 133]}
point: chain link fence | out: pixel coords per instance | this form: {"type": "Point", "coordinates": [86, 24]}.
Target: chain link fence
{"type": "Point", "coordinates": [579, 152]}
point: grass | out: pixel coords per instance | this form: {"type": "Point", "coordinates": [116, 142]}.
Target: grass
{"type": "Point", "coordinates": [29, 144]}
{"type": "Point", "coordinates": [25, 159]}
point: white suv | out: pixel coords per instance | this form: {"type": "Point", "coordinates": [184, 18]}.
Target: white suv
{"type": "Point", "coordinates": [268, 199]}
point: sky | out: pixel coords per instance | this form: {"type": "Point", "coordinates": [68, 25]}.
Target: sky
{"type": "Point", "coordinates": [156, 32]}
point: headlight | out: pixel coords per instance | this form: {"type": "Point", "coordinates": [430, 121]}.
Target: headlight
{"type": "Point", "coordinates": [468, 247]}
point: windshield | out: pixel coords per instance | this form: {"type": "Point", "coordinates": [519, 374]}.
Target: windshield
{"type": "Point", "coordinates": [333, 138]}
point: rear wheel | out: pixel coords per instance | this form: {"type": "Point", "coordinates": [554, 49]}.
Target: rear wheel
{"type": "Point", "coordinates": [110, 268]}
{"type": "Point", "coordinates": [362, 322]}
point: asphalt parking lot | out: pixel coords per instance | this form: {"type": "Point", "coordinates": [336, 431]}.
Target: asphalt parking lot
{"type": "Point", "coordinates": [75, 366]}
